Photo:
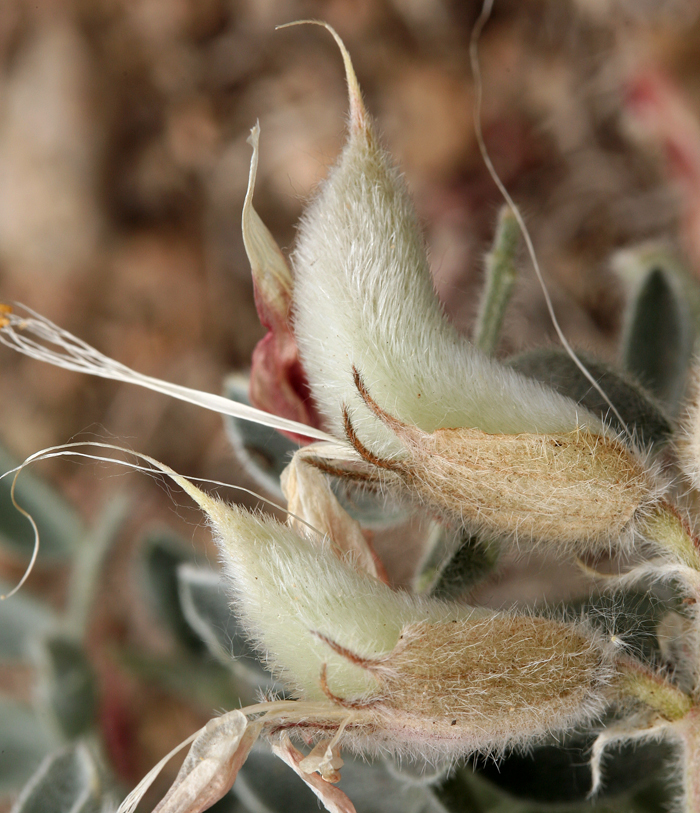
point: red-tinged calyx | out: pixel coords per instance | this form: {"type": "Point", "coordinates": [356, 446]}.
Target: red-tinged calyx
{"type": "Point", "coordinates": [277, 380]}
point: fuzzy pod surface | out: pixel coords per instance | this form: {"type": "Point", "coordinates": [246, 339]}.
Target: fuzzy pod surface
{"type": "Point", "coordinates": [363, 297]}
{"type": "Point", "coordinates": [418, 676]}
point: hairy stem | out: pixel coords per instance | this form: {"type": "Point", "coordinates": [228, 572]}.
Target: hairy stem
{"type": "Point", "coordinates": [500, 279]}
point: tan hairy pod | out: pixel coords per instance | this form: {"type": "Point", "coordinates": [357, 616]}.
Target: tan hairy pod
{"type": "Point", "coordinates": [415, 675]}
{"type": "Point", "coordinates": [483, 683]}
{"type": "Point", "coordinates": [562, 487]}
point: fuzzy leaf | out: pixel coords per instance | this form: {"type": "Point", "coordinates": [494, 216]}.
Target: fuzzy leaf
{"type": "Point", "coordinates": [21, 619]}
{"type": "Point", "coordinates": [263, 452]}
{"type": "Point", "coordinates": [89, 562]}
{"type": "Point", "coordinates": [60, 525]}
{"type": "Point", "coordinates": [501, 273]}
{"type": "Point", "coordinates": [207, 610]}
{"type": "Point", "coordinates": [555, 368]}
{"type": "Point", "coordinates": [66, 782]}
{"type": "Point", "coordinates": [24, 742]}
{"type": "Point", "coordinates": [163, 554]}
{"type": "Point", "coordinates": [658, 339]}
{"type": "Point", "coordinates": [67, 685]}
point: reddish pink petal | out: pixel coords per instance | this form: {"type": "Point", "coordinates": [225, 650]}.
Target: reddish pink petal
{"type": "Point", "coordinates": [277, 380]}
{"type": "Point", "coordinates": [278, 383]}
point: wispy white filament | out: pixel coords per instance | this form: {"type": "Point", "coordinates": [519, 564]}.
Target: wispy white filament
{"type": "Point", "coordinates": [37, 337]}
{"type": "Point", "coordinates": [478, 91]}
{"type": "Point", "coordinates": [154, 467]}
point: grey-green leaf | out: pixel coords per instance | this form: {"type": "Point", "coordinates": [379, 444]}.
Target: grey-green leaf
{"type": "Point", "coordinates": [66, 782]}
{"type": "Point", "coordinates": [262, 451]}
{"type": "Point", "coordinates": [206, 608]}
{"type": "Point", "coordinates": [556, 774]}
{"type": "Point", "coordinates": [67, 688]}
{"type": "Point", "coordinates": [60, 526]}
{"type": "Point", "coordinates": [22, 618]}
{"type": "Point", "coordinates": [457, 561]}
{"type": "Point", "coordinates": [163, 553]}
{"type": "Point", "coordinates": [24, 741]}
{"type": "Point", "coordinates": [658, 337]}
{"type": "Point", "coordinates": [640, 411]}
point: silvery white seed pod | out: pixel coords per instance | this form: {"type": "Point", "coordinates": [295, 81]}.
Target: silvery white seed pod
{"type": "Point", "coordinates": [418, 676]}
{"type": "Point", "coordinates": [469, 436]}
{"type": "Point", "coordinates": [363, 297]}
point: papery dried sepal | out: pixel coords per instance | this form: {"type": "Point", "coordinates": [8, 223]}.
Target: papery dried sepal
{"type": "Point", "coordinates": [277, 381]}
{"type": "Point", "coordinates": [212, 764]}
{"type": "Point", "coordinates": [311, 501]}
{"type": "Point", "coordinates": [332, 798]}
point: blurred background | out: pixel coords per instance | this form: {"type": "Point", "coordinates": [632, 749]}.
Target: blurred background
{"type": "Point", "coordinates": [124, 164]}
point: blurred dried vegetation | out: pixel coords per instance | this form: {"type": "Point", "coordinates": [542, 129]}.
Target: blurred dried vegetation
{"type": "Point", "coordinates": [123, 167]}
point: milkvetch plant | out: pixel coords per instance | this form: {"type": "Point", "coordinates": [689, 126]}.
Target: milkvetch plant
{"type": "Point", "coordinates": [361, 360]}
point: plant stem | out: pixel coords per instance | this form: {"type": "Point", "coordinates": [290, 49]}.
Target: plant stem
{"type": "Point", "coordinates": [500, 279]}
{"type": "Point", "coordinates": [689, 731]}
{"type": "Point", "coordinates": [640, 682]}
{"type": "Point", "coordinates": [665, 527]}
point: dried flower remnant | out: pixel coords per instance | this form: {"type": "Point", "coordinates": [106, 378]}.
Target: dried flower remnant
{"type": "Point", "coordinates": [277, 380]}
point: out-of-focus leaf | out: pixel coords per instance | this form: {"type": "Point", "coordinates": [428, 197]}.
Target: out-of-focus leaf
{"type": "Point", "coordinates": [22, 618]}
{"type": "Point", "coordinates": [60, 526]}
{"type": "Point", "coordinates": [207, 609]}
{"type": "Point", "coordinates": [88, 564]}
{"type": "Point", "coordinates": [66, 782]}
{"type": "Point", "coordinates": [266, 785]}
{"type": "Point", "coordinates": [196, 680]}
{"type": "Point", "coordinates": [640, 412]}
{"type": "Point", "coordinates": [465, 791]}
{"type": "Point", "coordinates": [24, 742]}
{"type": "Point", "coordinates": [631, 615]}
{"type": "Point", "coordinates": [262, 451]}
{"type": "Point", "coordinates": [658, 337]}
{"type": "Point", "coordinates": [163, 553]}
{"type": "Point", "coordinates": [501, 273]}
{"type": "Point", "coordinates": [67, 686]}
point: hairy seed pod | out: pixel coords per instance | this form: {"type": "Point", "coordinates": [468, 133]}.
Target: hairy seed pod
{"type": "Point", "coordinates": [417, 675]}
{"type": "Point", "coordinates": [562, 488]}
{"type": "Point", "coordinates": [363, 296]}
